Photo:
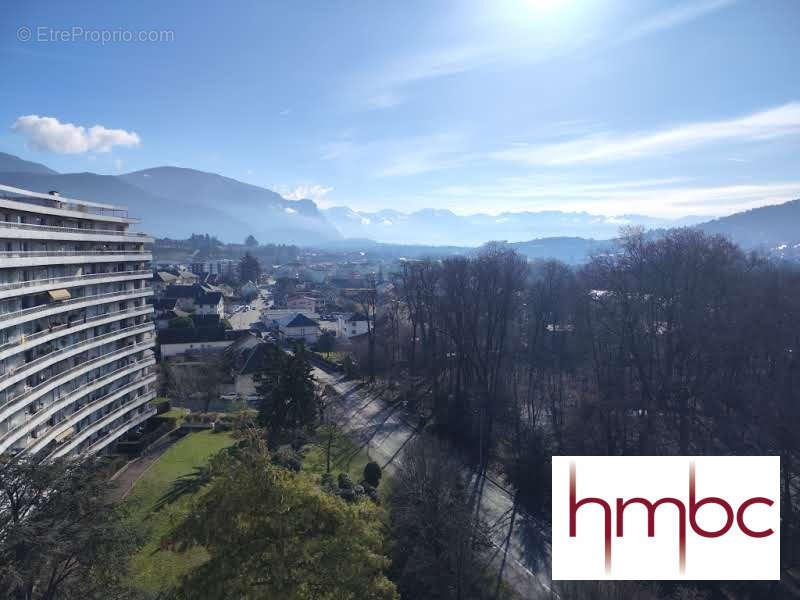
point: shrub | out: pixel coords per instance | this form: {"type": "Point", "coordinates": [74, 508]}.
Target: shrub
{"type": "Point", "coordinates": [372, 474]}
{"type": "Point", "coordinates": [328, 484]}
{"type": "Point", "coordinates": [372, 493]}
{"type": "Point", "coordinates": [344, 482]}
{"type": "Point", "coordinates": [287, 459]}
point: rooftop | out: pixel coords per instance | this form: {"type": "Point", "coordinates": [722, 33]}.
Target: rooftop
{"type": "Point", "coordinates": [300, 320]}
{"type": "Point", "coordinates": [20, 194]}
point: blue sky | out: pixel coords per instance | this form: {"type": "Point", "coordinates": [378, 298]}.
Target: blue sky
{"type": "Point", "coordinates": [660, 108]}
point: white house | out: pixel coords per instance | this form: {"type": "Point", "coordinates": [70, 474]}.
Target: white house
{"type": "Point", "coordinates": [300, 327]}
{"type": "Point", "coordinates": [273, 316]}
{"type": "Point", "coordinates": [355, 324]}
{"type": "Point", "coordinates": [210, 303]}
{"type": "Point", "coordinates": [305, 304]}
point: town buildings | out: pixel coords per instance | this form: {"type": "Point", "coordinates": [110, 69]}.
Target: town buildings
{"type": "Point", "coordinates": [304, 304]}
{"type": "Point", "coordinates": [76, 361]}
{"type": "Point", "coordinates": [300, 328]}
{"type": "Point", "coordinates": [351, 326]}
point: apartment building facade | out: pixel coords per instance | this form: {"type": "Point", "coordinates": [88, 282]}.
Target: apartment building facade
{"type": "Point", "coordinates": [77, 368]}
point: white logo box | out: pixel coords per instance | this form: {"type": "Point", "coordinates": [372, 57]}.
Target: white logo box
{"type": "Point", "coordinates": [736, 555]}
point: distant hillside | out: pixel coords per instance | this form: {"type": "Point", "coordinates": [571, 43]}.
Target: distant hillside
{"type": "Point", "coordinates": [11, 163]}
{"type": "Point", "coordinates": [768, 226]}
{"type": "Point", "coordinates": [159, 216]}
{"type": "Point", "coordinates": [270, 216]}
{"type": "Point", "coordinates": [174, 202]}
{"type": "Point", "coordinates": [571, 250]}
{"type": "Point", "coordinates": [442, 227]}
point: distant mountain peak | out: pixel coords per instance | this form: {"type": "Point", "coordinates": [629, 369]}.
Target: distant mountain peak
{"type": "Point", "coordinates": [14, 164]}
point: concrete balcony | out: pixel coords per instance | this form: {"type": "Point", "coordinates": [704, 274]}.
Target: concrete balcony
{"type": "Point", "coordinates": [46, 310]}
{"type": "Point", "coordinates": [40, 258]}
{"type": "Point", "coordinates": [23, 399]}
{"type": "Point", "coordinates": [111, 436]}
{"type": "Point", "coordinates": [84, 390]}
{"type": "Point", "coordinates": [36, 286]}
{"type": "Point", "coordinates": [26, 342]}
{"type": "Point", "coordinates": [29, 231]}
{"type": "Point", "coordinates": [27, 369]}
{"type": "Point", "coordinates": [37, 419]}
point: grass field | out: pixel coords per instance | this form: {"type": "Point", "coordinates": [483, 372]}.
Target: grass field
{"type": "Point", "coordinates": [153, 568]}
{"type": "Point", "coordinates": [336, 356]}
{"type": "Point", "coordinates": [346, 457]}
{"type": "Point", "coordinates": [176, 413]}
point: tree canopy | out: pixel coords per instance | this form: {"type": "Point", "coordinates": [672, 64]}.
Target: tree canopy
{"type": "Point", "coordinates": [249, 268]}
{"type": "Point", "coordinates": [59, 535]}
{"type": "Point", "coordinates": [286, 390]}
{"type": "Point", "coordinates": [273, 533]}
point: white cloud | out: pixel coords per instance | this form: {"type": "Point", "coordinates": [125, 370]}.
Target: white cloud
{"type": "Point", "coordinates": [314, 191]}
{"type": "Point", "coordinates": [769, 124]}
{"type": "Point", "coordinates": [655, 197]}
{"type": "Point", "coordinates": [401, 156]}
{"type": "Point", "coordinates": [673, 17]}
{"type": "Point", "coordinates": [438, 63]}
{"type": "Point", "coordinates": [48, 133]}
{"type": "Point", "coordinates": [387, 85]}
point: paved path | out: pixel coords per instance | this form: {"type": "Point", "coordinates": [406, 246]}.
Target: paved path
{"type": "Point", "coordinates": [125, 479]}
{"type": "Point", "coordinates": [521, 547]}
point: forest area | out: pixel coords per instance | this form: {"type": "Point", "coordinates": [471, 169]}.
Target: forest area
{"type": "Point", "coordinates": [678, 345]}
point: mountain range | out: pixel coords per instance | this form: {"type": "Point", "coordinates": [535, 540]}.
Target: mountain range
{"type": "Point", "coordinates": [176, 202]}
{"type": "Point", "coordinates": [442, 227]}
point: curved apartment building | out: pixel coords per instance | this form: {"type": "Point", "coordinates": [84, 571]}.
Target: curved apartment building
{"type": "Point", "coordinates": [76, 363]}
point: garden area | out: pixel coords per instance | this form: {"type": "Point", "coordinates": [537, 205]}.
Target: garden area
{"type": "Point", "coordinates": [154, 568]}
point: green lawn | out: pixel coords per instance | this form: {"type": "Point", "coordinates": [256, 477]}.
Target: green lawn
{"type": "Point", "coordinates": [336, 356]}
{"type": "Point", "coordinates": [177, 413]}
{"type": "Point", "coordinates": [153, 568]}
{"type": "Point", "coordinates": [345, 456]}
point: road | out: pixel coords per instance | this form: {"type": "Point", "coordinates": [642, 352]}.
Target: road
{"type": "Point", "coordinates": [521, 546]}
{"type": "Point", "coordinates": [245, 318]}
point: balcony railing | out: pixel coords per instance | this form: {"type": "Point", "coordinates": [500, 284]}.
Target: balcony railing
{"type": "Point", "coordinates": [129, 421]}
{"type": "Point", "coordinates": [29, 366]}
{"type": "Point", "coordinates": [100, 382]}
{"type": "Point", "coordinates": [70, 278]}
{"type": "Point", "coordinates": [61, 203]}
{"type": "Point", "coordinates": [26, 339]}
{"type": "Point", "coordinates": [36, 419]}
{"type": "Point", "coordinates": [42, 307]}
{"type": "Point", "coordinates": [56, 229]}
{"type": "Point", "coordinates": [64, 375]}
{"type": "Point", "coordinates": [59, 253]}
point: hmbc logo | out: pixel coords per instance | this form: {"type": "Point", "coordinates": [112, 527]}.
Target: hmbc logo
{"type": "Point", "coordinates": [662, 517]}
